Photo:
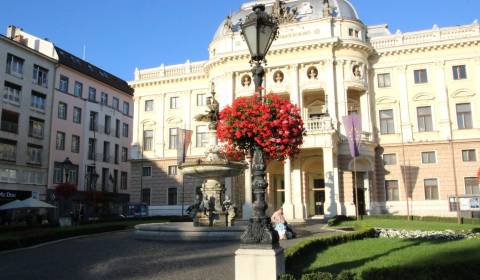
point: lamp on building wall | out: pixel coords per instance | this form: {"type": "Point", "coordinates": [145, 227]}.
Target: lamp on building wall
{"type": "Point", "coordinates": [259, 31]}
{"type": "Point", "coordinates": [67, 165]}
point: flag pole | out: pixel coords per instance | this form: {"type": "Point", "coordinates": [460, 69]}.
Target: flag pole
{"type": "Point", "coordinates": [356, 187]}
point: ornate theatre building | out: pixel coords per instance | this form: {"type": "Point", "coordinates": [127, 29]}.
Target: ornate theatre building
{"type": "Point", "coordinates": [417, 94]}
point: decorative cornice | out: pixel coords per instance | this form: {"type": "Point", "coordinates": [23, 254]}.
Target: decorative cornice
{"type": "Point", "coordinates": [411, 49]}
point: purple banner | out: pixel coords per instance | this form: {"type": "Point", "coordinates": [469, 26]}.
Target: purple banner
{"type": "Point", "coordinates": [353, 127]}
{"type": "Point", "coordinates": [184, 137]}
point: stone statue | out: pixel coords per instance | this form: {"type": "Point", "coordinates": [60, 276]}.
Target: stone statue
{"type": "Point", "coordinates": [357, 72]}
{"type": "Point", "coordinates": [282, 13]}
{"type": "Point", "coordinates": [327, 11]}
{"type": "Point", "coordinates": [211, 115]}
{"type": "Point", "coordinates": [228, 24]}
{"type": "Point", "coordinates": [229, 208]}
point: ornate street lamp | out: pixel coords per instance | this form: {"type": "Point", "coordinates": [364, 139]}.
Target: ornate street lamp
{"type": "Point", "coordinates": [67, 165]}
{"type": "Point", "coordinates": [259, 31]}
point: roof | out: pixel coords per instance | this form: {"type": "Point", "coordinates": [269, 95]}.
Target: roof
{"type": "Point", "coordinates": [93, 71]}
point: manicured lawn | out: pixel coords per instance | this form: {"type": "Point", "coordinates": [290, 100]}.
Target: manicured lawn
{"type": "Point", "coordinates": [405, 224]}
{"type": "Point", "coordinates": [358, 256]}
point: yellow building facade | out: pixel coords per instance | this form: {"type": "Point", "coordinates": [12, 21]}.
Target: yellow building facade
{"type": "Point", "coordinates": [416, 94]}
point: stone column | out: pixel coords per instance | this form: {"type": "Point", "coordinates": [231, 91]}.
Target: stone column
{"type": "Point", "coordinates": [404, 108]}
{"type": "Point", "coordinates": [297, 193]}
{"type": "Point", "coordinates": [367, 186]}
{"type": "Point", "coordinates": [341, 92]}
{"type": "Point", "coordinates": [441, 89]}
{"type": "Point", "coordinates": [329, 68]}
{"type": "Point", "coordinates": [247, 210]}
{"type": "Point", "coordinates": [287, 205]}
{"type": "Point", "coordinates": [331, 193]}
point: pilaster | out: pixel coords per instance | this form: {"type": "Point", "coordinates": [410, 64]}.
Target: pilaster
{"type": "Point", "coordinates": [288, 209]}
{"type": "Point", "coordinates": [297, 191]}
{"type": "Point", "coordinates": [331, 192]}
{"type": "Point", "coordinates": [404, 112]}
{"type": "Point", "coordinates": [247, 210]}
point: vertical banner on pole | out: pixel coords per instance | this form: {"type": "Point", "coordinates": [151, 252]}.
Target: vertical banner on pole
{"type": "Point", "coordinates": [184, 137]}
{"type": "Point", "coordinates": [353, 128]}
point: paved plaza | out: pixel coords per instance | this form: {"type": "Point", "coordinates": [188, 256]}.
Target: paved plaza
{"type": "Point", "coordinates": [117, 255]}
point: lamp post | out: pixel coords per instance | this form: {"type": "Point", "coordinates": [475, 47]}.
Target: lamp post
{"type": "Point", "coordinates": [259, 31]}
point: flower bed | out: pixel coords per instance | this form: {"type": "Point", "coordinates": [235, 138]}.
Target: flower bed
{"type": "Point", "coordinates": [426, 235]}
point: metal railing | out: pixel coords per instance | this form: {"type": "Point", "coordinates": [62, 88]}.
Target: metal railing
{"type": "Point", "coordinates": [9, 127]}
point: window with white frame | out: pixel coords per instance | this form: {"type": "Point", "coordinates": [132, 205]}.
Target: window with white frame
{"type": "Point", "coordinates": [8, 175]}
{"type": "Point", "coordinates": [115, 103]}
{"type": "Point", "coordinates": [147, 171]}
{"type": "Point", "coordinates": [174, 102]}
{"type": "Point", "coordinates": [38, 100]}
{"type": "Point", "coordinates": [8, 150]}
{"type": "Point", "coordinates": [424, 118]}
{"type": "Point", "coordinates": [60, 141]}
{"type": "Point", "coordinates": [108, 125]}
{"type": "Point", "coordinates": [126, 108]}
{"type": "Point", "coordinates": [201, 99]}
{"type": "Point", "coordinates": [390, 159]}
{"type": "Point", "coordinates": [124, 154]}
{"type": "Point", "coordinates": [57, 175]}
{"type": "Point", "coordinates": [469, 155]}
{"type": "Point", "coordinates": [459, 72]}
{"type": "Point", "coordinates": [202, 135]}
{"type": "Point", "coordinates": [148, 140]}
{"type": "Point", "coordinates": [78, 90]}
{"type": "Point", "coordinates": [387, 125]}
{"type": "Point", "coordinates": [172, 196]}
{"type": "Point", "coordinates": [34, 154]}
{"type": "Point", "coordinates": [471, 186]}
{"type": "Point", "coordinates": [391, 190]}
{"type": "Point", "coordinates": [15, 65]}
{"type": "Point", "coordinates": [125, 130]}
{"type": "Point", "coordinates": [148, 105]}
{"type": "Point", "coordinates": [92, 94]}
{"type": "Point", "coordinates": [77, 115]}
{"type": "Point", "coordinates": [429, 157]}
{"type": "Point", "coordinates": [104, 98]}
{"type": "Point", "coordinates": [464, 116]}
{"type": "Point", "coordinates": [420, 76]}
{"type": "Point", "coordinates": [12, 92]}
{"type": "Point", "coordinates": [63, 83]}
{"type": "Point", "coordinates": [172, 170]}
{"type": "Point", "coordinates": [62, 110]}
{"type": "Point", "coordinates": [431, 189]}
{"type": "Point", "coordinates": [36, 128]}
{"type": "Point", "coordinates": [75, 144]}
{"type": "Point", "coordinates": [384, 80]}
{"type": "Point", "coordinates": [40, 76]}
{"type": "Point", "coordinates": [172, 139]}
{"type": "Point", "coordinates": [123, 180]}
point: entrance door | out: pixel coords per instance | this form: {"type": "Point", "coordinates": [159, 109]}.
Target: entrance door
{"type": "Point", "coordinates": [361, 193]}
{"type": "Point", "coordinates": [319, 196]}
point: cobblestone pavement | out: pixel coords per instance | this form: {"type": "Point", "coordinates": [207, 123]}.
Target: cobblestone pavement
{"type": "Point", "coordinates": [118, 256]}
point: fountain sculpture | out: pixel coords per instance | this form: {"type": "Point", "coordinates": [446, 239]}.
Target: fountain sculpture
{"type": "Point", "coordinates": [213, 208]}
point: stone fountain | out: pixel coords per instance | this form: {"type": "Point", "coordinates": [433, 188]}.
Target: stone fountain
{"type": "Point", "coordinates": [214, 208]}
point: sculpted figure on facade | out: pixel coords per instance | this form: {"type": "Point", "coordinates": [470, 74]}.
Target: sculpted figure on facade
{"type": "Point", "coordinates": [278, 77]}
{"type": "Point", "coordinates": [246, 81]}
{"type": "Point", "coordinates": [227, 27]}
{"type": "Point", "coordinates": [312, 73]}
{"type": "Point", "coordinates": [283, 13]}
{"type": "Point", "coordinates": [357, 72]}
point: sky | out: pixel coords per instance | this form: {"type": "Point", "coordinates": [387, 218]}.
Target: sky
{"type": "Point", "coordinates": [120, 35]}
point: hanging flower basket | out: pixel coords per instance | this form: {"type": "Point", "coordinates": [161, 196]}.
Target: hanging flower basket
{"type": "Point", "coordinates": [274, 124]}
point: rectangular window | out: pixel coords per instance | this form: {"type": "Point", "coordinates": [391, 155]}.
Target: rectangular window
{"type": "Point", "coordinates": [60, 141]}
{"type": "Point", "coordinates": [108, 124]}
{"type": "Point", "coordinates": [148, 105]}
{"type": "Point", "coordinates": [115, 103]}
{"type": "Point", "coordinates": [123, 180]}
{"type": "Point", "coordinates": [106, 151]}
{"type": "Point", "coordinates": [172, 170]}
{"type": "Point", "coordinates": [117, 128]}
{"type": "Point", "coordinates": [420, 76]}
{"type": "Point", "coordinates": [36, 128]}
{"type": "Point", "coordinates": [38, 101]}
{"type": "Point", "coordinates": [40, 76]}
{"type": "Point", "coordinates": [63, 83]}
{"type": "Point", "coordinates": [78, 90]}
{"type": "Point", "coordinates": [125, 130]}
{"type": "Point", "coordinates": [15, 65]}
{"type": "Point", "coordinates": [391, 190]}
{"type": "Point", "coordinates": [75, 144]}
{"type": "Point", "coordinates": [105, 179]}
{"type": "Point", "coordinates": [429, 157]}
{"type": "Point", "coordinates": [148, 140]}
{"type": "Point", "coordinates": [431, 189]}
{"type": "Point", "coordinates": [172, 139]}
{"type": "Point", "coordinates": [93, 121]}
{"type": "Point", "coordinates": [201, 99]}
{"type": "Point", "coordinates": [174, 102]}
{"type": "Point", "coordinates": [92, 94]}
{"type": "Point", "coordinates": [384, 80]}
{"type": "Point", "coordinates": [424, 119]}
{"type": "Point", "coordinates": [126, 108]}
{"type": "Point", "coordinates": [459, 72]}
{"type": "Point", "coordinates": [115, 180]}
{"type": "Point", "coordinates": [8, 150]}
{"type": "Point", "coordinates": [172, 196]}
{"type": "Point", "coordinates": [147, 171]}
{"type": "Point", "coordinates": [202, 136]}
{"type": "Point", "coordinates": [12, 92]}
{"type": "Point", "coordinates": [469, 155]}
{"type": "Point", "coordinates": [58, 175]}
{"type": "Point", "coordinates": [124, 154]}
{"type": "Point", "coordinates": [464, 116]}
{"type": "Point", "coordinates": [9, 121]}
{"type": "Point", "coordinates": [92, 149]}
{"type": "Point", "coordinates": [104, 98]}
{"type": "Point", "coordinates": [8, 175]}
{"type": "Point", "coordinates": [387, 125]}
{"type": "Point", "coordinates": [146, 196]}
{"type": "Point", "coordinates": [77, 115]}
{"type": "Point", "coordinates": [62, 110]}
{"type": "Point", "coordinates": [116, 154]}
{"type": "Point", "coordinates": [471, 186]}
{"type": "Point", "coordinates": [390, 159]}
{"type": "Point", "coordinates": [34, 154]}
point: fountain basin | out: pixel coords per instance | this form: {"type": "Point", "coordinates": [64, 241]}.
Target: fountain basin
{"type": "Point", "coordinates": [213, 168]}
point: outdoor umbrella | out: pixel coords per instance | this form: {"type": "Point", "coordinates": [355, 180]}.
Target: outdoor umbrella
{"type": "Point", "coordinates": [25, 204]}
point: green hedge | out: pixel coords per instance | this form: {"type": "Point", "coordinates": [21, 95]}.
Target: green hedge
{"type": "Point", "coordinates": [464, 271]}
{"type": "Point", "coordinates": [295, 256]}
{"type": "Point", "coordinates": [345, 275]}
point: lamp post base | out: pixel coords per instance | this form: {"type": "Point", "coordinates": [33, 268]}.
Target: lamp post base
{"type": "Point", "coordinates": [259, 264]}
{"type": "Point", "coordinates": [259, 235]}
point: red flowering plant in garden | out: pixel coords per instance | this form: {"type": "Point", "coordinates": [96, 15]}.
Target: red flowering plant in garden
{"type": "Point", "coordinates": [274, 124]}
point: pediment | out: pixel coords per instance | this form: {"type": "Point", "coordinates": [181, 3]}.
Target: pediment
{"type": "Point", "coordinates": [462, 93]}
{"type": "Point", "coordinates": [386, 100]}
{"type": "Point", "coordinates": [174, 120]}
{"type": "Point", "coordinates": [316, 103]}
{"type": "Point", "coordinates": [423, 97]}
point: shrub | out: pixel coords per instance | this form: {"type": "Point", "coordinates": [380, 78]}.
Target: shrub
{"type": "Point", "coordinates": [286, 277]}
{"type": "Point", "coordinates": [462, 271]}
{"type": "Point", "coordinates": [338, 219]}
{"type": "Point", "coordinates": [346, 275]}
{"type": "Point", "coordinates": [317, 276]}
